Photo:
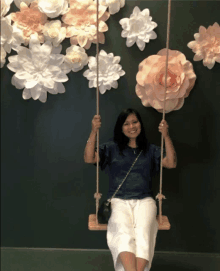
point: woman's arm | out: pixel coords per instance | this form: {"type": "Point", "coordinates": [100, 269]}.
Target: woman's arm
{"type": "Point", "coordinates": [90, 156]}
{"type": "Point", "coordinates": [170, 161]}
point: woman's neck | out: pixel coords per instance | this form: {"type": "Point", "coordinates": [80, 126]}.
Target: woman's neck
{"type": "Point", "coordinates": [132, 143]}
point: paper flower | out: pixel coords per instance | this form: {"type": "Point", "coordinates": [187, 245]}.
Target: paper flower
{"type": "Point", "coordinates": [109, 71]}
{"type": "Point", "coordinates": [18, 2]}
{"type": "Point", "coordinates": [113, 5]}
{"type": "Point", "coordinates": [11, 37]}
{"type": "Point", "coordinates": [139, 28]}
{"type": "Point", "coordinates": [54, 32]}
{"type": "Point", "coordinates": [5, 6]}
{"type": "Point", "coordinates": [81, 23]}
{"type": "Point", "coordinates": [53, 8]}
{"type": "Point", "coordinates": [151, 80]}
{"type": "Point", "coordinates": [37, 70]}
{"type": "Point", "coordinates": [3, 56]}
{"type": "Point", "coordinates": [75, 59]}
{"type": "Point", "coordinates": [30, 20]}
{"type": "Point", "coordinates": [6, 33]}
{"type": "Point", "coordinates": [207, 45]}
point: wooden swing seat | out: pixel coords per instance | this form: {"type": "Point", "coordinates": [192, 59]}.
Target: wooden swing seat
{"type": "Point", "coordinates": [165, 225]}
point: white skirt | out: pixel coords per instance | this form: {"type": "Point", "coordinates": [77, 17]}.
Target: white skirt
{"type": "Point", "coordinates": [132, 227]}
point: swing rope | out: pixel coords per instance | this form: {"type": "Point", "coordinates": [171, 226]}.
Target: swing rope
{"type": "Point", "coordinates": [159, 196]}
{"type": "Point", "coordinates": [97, 195]}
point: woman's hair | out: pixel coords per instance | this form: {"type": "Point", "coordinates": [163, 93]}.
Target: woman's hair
{"type": "Point", "coordinates": [119, 136]}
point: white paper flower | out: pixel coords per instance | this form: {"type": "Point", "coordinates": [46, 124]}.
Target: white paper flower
{"type": "Point", "coordinates": [37, 70]}
{"type": "Point", "coordinates": [109, 71]}
{"type": "Point", "coordinates": [139, 28]}
{"type": "Point", "coordinates": [18, 2]}
{"type": "Point", "coordinates": [113, 5]}
{"type": "Point", "coordinates": [6, 33]}
{"type": "Point", "coordinates": [3, 56]}
{"type": "Point", "coordinates": [75, 59]}
{"type": "Point", "coordinates": [54, 32]}
{"type": "Point", "coordinates": [53, 8]}
{"type": "Point", "coordinates": [17, 38]}
{"type": "Point", "coordinates": [11, 36]}
{"type": "Point", "coordinates": [5, 6]}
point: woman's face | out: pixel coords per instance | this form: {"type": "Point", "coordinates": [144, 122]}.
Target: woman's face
{"type": "Point", "coordinates": [131, 127]}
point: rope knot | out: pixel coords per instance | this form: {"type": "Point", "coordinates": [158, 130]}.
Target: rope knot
{"type": "Point", "coordinates": [97, 196]}
{"type": "Point", "coordinates": [160, 196]}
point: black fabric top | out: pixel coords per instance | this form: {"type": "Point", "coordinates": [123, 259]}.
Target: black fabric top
{"type": "Point", "coordinates": [138, 184]}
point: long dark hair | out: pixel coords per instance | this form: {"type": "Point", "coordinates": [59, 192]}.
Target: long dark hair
{"type": "Point", "coordinates": [122, 140]}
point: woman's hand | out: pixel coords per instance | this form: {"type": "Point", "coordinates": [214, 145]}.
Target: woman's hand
{"type": "Point", "coordinates": [96, 123]}
{"type": "Point", "coordinates": [163, 128]}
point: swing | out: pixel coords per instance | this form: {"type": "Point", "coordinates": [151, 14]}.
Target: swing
{"type": "Point", "coordinates": [162, 220]}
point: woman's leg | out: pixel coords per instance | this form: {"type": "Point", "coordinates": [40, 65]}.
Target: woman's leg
{"type": "Point", "coordinates": [146, 228]}
{"type": "Point", "coordinates": [128, 260]}
{"type": "Point", "coordinates": [141, 264]}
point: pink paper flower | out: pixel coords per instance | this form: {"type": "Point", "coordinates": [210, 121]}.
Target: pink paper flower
{"type": "Point", "coordinates": [81, 23]}
{"type": "Point", "coordinates": [30, 20]}
{"type": "Point", "coordinates": [151, 80]}
{"type": "Point", "coordinates": [207, 45]}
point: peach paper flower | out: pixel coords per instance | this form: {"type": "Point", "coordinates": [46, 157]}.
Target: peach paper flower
{"type": "Point", "coordinates": [30, 20]}
{"type": "Point", "coordinates": [151, 80]}
{"type": "Point", "coordinates": [81, 23]}
{"type": "Point", "coordinates": [207, 45]}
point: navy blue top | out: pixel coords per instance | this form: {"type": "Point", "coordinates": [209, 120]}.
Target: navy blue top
{"type": "Point", "coordinates": [138, 184]}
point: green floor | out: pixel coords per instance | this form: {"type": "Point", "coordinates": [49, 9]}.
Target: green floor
{"type": "Point", "coordinates": [24, 259]}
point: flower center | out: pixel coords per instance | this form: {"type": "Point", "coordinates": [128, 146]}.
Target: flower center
{"type": "Point", "coordinates": [74, 57]}
{"type": "Point", "coordinates": [53, 33]}
{"type": "Point", "coordinates": [172, 79]}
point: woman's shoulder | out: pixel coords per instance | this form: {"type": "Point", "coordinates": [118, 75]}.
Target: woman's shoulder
{"type": "Point", "coordinates": [109, 144]}
{"type": "Point", "coordinates": [153, 148]}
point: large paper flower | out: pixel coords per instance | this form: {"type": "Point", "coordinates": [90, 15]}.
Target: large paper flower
{"type": "Point", "coordinates": [53, 8]}
{"type": "Point", "coordinates": [113, 5]}
{"type": "Point", "coordinates": [30, 20]}
{"type": "Point", "coordinates": [54, 32]}
{"type": "Point", "coordinates": [5, 6]}
{"type": "Point", "coordinates": [207, 45]}
{"type": "Point", "coordinates": [37, 70]}
{"type": "Point", "coordinates": [151, 80]}
{"type": "Point", "coordinates": [75, 59]}
{"type": "Point", "coordinates": [109, 71]}
{"type": "Point", "coordinates": [139, 28]}
{"type": "Point", "coordinates": [81, 23]}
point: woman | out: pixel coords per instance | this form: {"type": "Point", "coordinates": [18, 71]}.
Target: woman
{"type": "Point", "coordinates": [132, 227]}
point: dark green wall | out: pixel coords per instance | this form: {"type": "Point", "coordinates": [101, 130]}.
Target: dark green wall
{"type": "Point", "coordinates": [47, 189]}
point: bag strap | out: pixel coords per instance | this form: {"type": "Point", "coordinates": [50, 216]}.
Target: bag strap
{"type": "Point", "coordinates": [125, 176]}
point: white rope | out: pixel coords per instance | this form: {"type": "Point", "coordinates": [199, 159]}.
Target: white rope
{"type": "Point", "coordinates": [160, 196]}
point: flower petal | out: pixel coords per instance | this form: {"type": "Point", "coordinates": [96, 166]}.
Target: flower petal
{"type": "Point", "coordinates": [61, 88]}
{"type": "Point", "coordinates": [130, 41]}
{"type": "Point", "coordinates": [82, 40]}
{"type": "Point", "coordinates": [26, 94]}
{"type": "Point", "coordinates": [43, 96]}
